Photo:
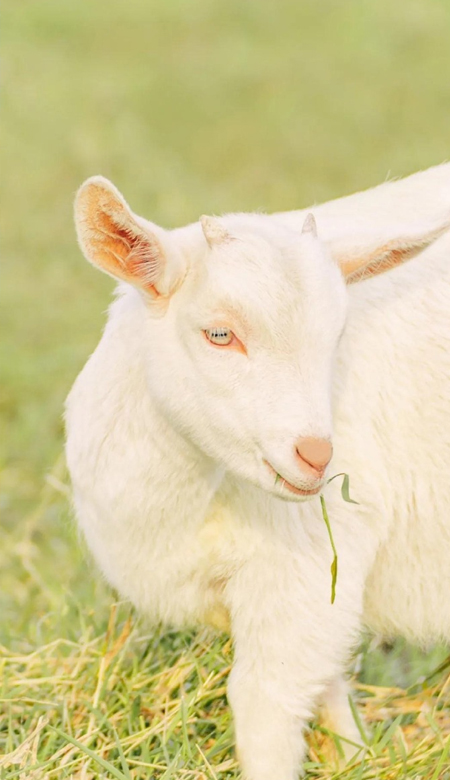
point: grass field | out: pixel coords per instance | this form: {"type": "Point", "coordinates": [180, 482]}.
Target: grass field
{"type": "Point", "coordinates": [190, 106]}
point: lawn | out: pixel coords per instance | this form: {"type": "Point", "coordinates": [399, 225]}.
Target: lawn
{"type": "Point", "coordinates": [190, 107]}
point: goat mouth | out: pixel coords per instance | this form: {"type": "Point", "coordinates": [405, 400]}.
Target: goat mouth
{"type": "Point", "coordinates": [279, 480]}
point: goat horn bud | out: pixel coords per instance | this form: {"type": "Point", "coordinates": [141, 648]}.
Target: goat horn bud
{"type": "Point", "coordinates": [309, 225]}
{"type": "Point", "coordinates": [213, 231]}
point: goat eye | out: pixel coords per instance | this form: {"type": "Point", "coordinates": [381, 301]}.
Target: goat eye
{"type": "Point", "coordinates": [220, 336]}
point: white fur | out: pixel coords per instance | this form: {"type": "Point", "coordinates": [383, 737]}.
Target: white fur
{"type": "Point", "coordinates": [167, 437]}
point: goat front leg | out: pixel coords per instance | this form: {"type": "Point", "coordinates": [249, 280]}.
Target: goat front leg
{"type": "Point", "coordinates": [290, 644]}
{"type": "Point", "coordinates": [337, 716]}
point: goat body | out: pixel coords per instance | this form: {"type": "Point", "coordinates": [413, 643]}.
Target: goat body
{"type": "Point", "coordinates": [173, 441]}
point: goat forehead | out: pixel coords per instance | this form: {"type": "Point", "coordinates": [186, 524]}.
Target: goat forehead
{"type": "Point", "coordinates": [249, 296]}
{"type": "Point", "coordinates": [256, 266]}
{"type": "Point", "coordinates": [274, 277]}
{"type": "Point", "coordinates": [278, 314]}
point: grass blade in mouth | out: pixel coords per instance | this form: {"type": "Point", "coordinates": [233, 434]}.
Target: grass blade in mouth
{"type": "Point", "coordinates": [345, 488]}
{"type": "Point", "coordinates": [345, 492]}
{"type": "Point", "coordinates": [334, 564]}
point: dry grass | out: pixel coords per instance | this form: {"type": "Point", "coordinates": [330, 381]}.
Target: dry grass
{"type": "Point", "coordinates": [126, 705]}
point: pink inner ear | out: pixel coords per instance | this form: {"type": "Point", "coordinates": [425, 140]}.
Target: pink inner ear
{"type": "Point", "coordinates": [382, 260]}
{"type": "Point", "coordinates": [126, 252]}
{"type": "Point", "coordinates": [142, 257]}
{"type": "Point", "coordinates": [387, 255]}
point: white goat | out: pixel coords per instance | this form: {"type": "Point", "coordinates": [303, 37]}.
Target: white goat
{"type": "Point", "coordinates": [200, 430]}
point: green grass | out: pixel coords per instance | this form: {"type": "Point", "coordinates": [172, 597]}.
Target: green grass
{"type": "Point", "coordinates": [190, 106]}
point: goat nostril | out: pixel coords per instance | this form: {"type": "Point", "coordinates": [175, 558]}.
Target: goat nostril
{"type": "Point", "coordinates": [315, 454]}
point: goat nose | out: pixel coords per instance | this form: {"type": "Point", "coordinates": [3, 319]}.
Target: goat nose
{"type": "Point", "coordinates": [314, 455]}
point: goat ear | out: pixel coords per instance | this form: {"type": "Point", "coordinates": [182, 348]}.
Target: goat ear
{"type": "Point", "coordinates": [358, 264]}
{"type": "Point", "coordinates": [112, 239]}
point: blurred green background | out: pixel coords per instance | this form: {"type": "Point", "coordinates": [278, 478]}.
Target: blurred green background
{"type": "Point", "coordinates": [190, 107]}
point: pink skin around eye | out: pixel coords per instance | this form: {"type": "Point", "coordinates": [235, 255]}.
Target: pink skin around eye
{"type": "Point", "coordinates": [235, 344]}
